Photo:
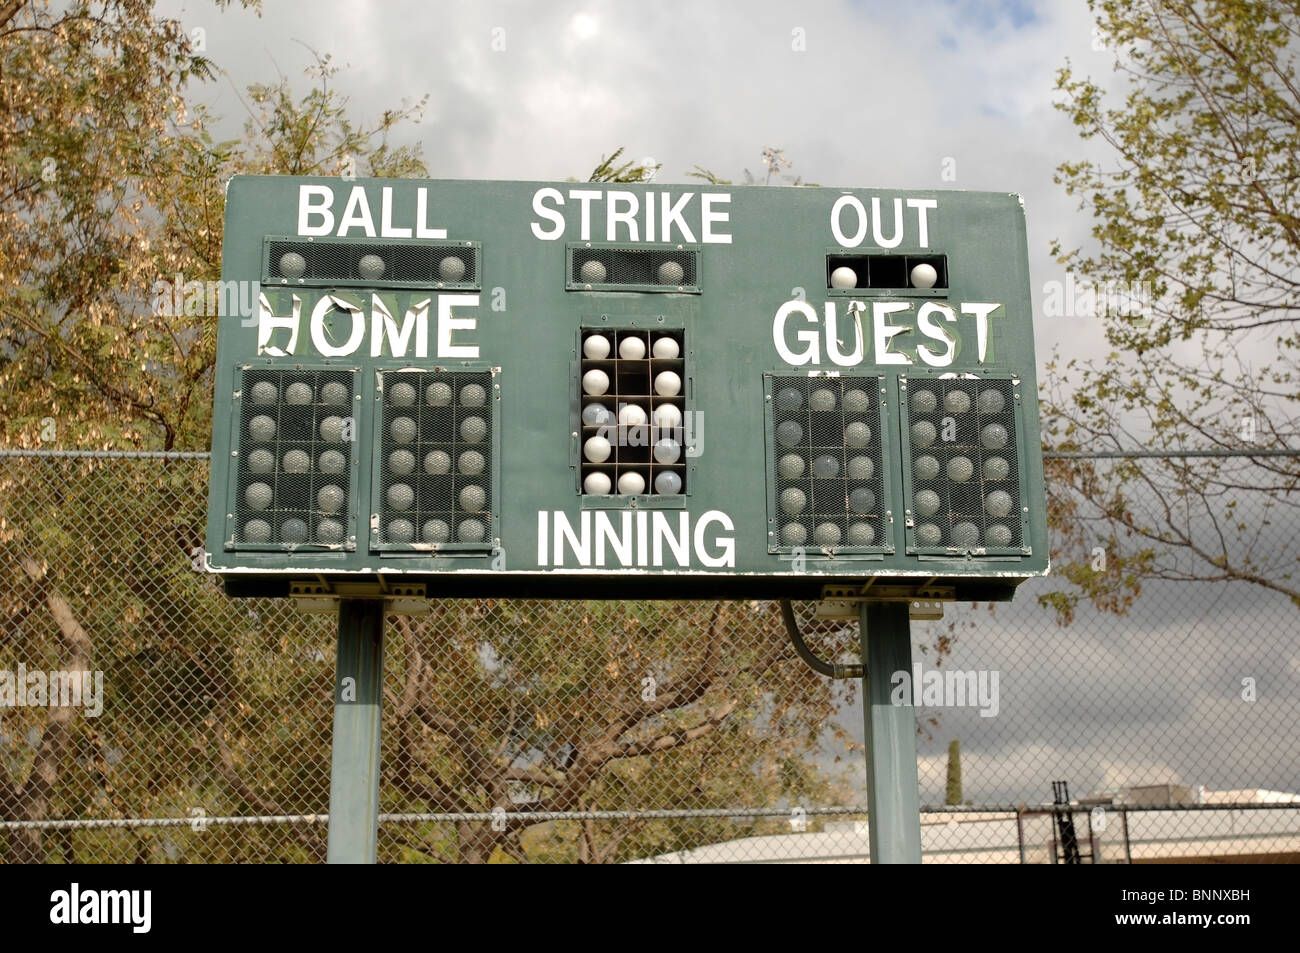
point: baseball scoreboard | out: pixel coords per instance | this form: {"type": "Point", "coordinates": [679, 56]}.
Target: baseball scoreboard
{"type": "Point", "coordinates": [591, 390]}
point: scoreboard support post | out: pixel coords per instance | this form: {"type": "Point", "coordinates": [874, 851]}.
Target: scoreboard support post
{"type": "Point", "coordinates": [893, 797]}
{"type": "Point", "coordinates": [358, 710]}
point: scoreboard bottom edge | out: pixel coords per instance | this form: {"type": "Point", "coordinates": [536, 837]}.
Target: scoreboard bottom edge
{"type": "Point", "coordinates": [541, 586]}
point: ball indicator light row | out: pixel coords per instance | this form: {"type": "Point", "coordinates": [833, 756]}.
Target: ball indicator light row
{"type": "Point", "coordinates": [923, 275]}
{"type": "Point", "coordinates": [988, 402]}
{"type": "Point", "coordinates": [594, 272]}
{"type": "Point", "coordinates": [371, 267]}
{"type": "Point", "coordinates": [298, 393]}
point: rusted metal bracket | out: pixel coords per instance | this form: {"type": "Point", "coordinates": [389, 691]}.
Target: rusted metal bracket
{"type": "Point", "coordinates": [323, 596]}
{"type": "Point", "coordinates": [925, 601]}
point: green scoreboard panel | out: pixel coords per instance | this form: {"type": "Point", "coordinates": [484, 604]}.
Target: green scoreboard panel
{"type": "Point", "coordinates": [576, 389]}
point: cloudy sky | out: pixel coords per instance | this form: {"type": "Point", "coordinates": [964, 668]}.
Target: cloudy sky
{"type": "Point", "coordinates": [927, 94]}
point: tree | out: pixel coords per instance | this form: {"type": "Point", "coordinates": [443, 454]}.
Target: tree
{"type": "Point", "coordinates": [610, 170]}
{"type": "Point", "coordinates": [1195, 275]}
{"type": "Point", "coordinates": [510, 706]}
{"type": "Point", "coordinates": [774, 160]}
{"type": "Point", "coordinates": [109, 185]}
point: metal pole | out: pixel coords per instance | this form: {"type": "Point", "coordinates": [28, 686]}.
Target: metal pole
{"type": "Point", "coordinates": [893, 797]}
{"type": "Point", "coordinates": [358, 704]}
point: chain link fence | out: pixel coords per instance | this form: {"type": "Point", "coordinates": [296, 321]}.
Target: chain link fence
{"type": "Point", "coordinates": [145, 716]}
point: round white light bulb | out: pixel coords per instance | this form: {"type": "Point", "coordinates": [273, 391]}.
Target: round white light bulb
{"type": "Point", "coordinates": [471, 463]}
{"type": "Point", "coordinates": [258, 496]}
{"type": "Point", "coordinates": [595, 382]}
{"type": "Point", "coordinates": [668, 384]}
{"type": "Point", "coordinates": [330, 499]}
{"type": "Point", "coordinates": [472, 498]}
{"type": "Point", "coordinates": [262, 427]}
{"type": "Point", "coordinates": [261, 461]}
{"type": "Point", "coordinates": [960, 469]}
{"type": "Point", "coordinates": [399, 530]}
{"type": "Point", "coordinates": [671, 273]}
{"type": "Point", "coordinates": [331, 429]}
{"type": "Point", "coordinates": [632, 415]}
{"type": "Point", "coordinates": [402, 428]}
{"type": "Point", "coordinates": [667, 450]}
{"type": "Point", "coordinates": [857, 435]}
{"type": "Point", "coordinates": [331, 531]}
{"type": "Point", "coordinates": [631, 483]}
{"type": "Point", "coordinates": [257, 531]}
{"type": "Point", "coordinates": [827, 534]}
{"type": "Point", "coordinates": [794, 534]}
{"type": "Point", "coordinates": [924, 276]}
{"type": "Point", "coordinates": [292, 265]}
{"type": "Point", "coordinates": [860, 468]}
{"type": "Point", "coordinates": [401, 462]}
{"type": "Point", "coordinates": [331, 461]}
{"type": "Point", "coordinates": [667, 482]}
{"type": "Point", "coordinates": [473, 429]}
{"type": "Point", "coordinates": [451, 268]}
{"type": "Point", "coordinates": [296, 461]}
{"type": "Point", "coordinates": [667, 417]}
{"type": "Point", "coordinates": [631, 348]}
{"type": "Point", "coordinates": [297, 393]}
{"type": "Point", "coordinates": [596, 415]}
{"type": "Point", "coordinates": [790, 466]}
{"type": "Point", "coordinates": [822, 399]}
{"type": "Point", "coordinates": [335, 393]}
{"type": "Point", "coordinates": [844, 277]}
{"type": "Point", "coordinates": [437, 462]}
{"type": "Point", "coordinates": [665, 349]}
{"type": "Point", "coordinates": [793, 501]}
{"type": "Point", "coordinates": [956, 402]}
{"type": "Point", "coordinates": [400, 496]}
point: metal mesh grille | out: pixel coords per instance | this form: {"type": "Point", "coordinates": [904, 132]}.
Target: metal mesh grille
{"type": "Point", "coordinates": [436, 442]}
{"type": "Point", "coordinates": [634, 412]}
{"type": "Point", "coordinates": [964, 490]}
{"type": "Point", "coordinates": [824, 462]}
{"type": "Point", "coordinates": [213, 744]}
{"type": "Point", "coordinates": [661, 269]}
{"type": "Point", "coordinates": [293, 469]}
{"type": "Point", "coordinates": [431, 264]}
